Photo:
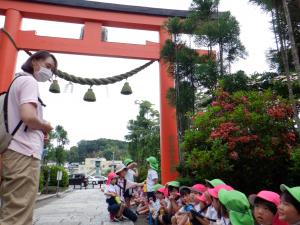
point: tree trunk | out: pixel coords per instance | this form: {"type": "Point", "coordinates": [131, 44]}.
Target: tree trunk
{"type": "Point", "coordinates": [274, 30]}
{"type": "Point", "coordinates": [221, 58]}
{"type": "Point", "coordinates": [284, 57]}
{"type": "Point", "coordinates": [177, 86]}
{"type": "Point", "coordinates": [291, 38]}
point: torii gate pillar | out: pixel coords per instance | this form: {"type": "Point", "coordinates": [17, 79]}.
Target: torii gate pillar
{"type": "Point", "coordinates": [8, 52]}
{"type": "Point", "coordinates": [168, 128]}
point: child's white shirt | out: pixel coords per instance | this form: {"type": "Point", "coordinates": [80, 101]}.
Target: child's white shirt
{"type": "Point", "coordinates": [155, 206]}
{"type": "Point", "coordinates": [222, 221]}
{"type": "Point", "coordinates": [110, 189]}
{"type": "Point", "coordinates": [168, 202]}
{"type": "Point", "coordinates": [211, 213]}
{"type": "Point", "coordinates": [152, 174]}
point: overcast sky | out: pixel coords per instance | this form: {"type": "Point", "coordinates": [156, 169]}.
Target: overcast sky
{"type": "Point", "coordinates": [109, 115]}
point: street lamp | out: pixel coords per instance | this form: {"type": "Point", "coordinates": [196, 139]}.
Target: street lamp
{"type": "Point", "coordinates": [97, 165]}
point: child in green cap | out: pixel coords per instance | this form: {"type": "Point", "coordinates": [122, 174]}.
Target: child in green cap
{"type": "Point", "coordinates": [289, 208]}
{"type": "Point", "coordinates": [235, 205]}
{"type": "Point", "coordinates": [152, 177]}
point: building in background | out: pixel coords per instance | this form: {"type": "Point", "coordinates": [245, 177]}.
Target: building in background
{"type": "Point", "coordinates": [89, 166]}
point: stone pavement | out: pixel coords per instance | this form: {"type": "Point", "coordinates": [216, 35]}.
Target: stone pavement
{"type": "Point", "coordinates": [80, 207]}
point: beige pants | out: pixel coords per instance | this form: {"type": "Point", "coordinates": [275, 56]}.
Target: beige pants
{"type": "Point", "coordinates": [19, 187]}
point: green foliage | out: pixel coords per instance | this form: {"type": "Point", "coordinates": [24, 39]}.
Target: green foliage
{"type": "Point", "coordinates": [53, 175]}
{"type": "Point", "coordinates": [60, 155]}
{"type": "Point", "coordinates": [174, 25]}
{"type": "Point", "coordinates": [106, 172]}
{"type": "Point", "coordinates": [102, 148]}
{"type": "Point", "coordinates": [238, 81]}
{"type": "Point", "coordinates": [242, 138]}
{"type": "Point", "coordinates": [204, 9]}
{"type": "Point", "coordinates": [144, 136]}
{"type": "Point", "coordinates": [56, 146]}
{"type": "Point", "coordinates": [280, 30]}
{"type": "Point", "coordinates": [61, 136]}
{"type": "Point", "coordinates": [269, 80]}
{"type": "Point", "coordinates": [72, 154]}
{"type": "Point", "coordinates": [294, 169]}
{"type": "Point", "coordinates": [207, 73]}
{"type": "Point", "coordinates": [51, 171]}
{"type": "Point", "coordinates": [223, 31]}
{"type": "Point", "coordinates": [194, 74]}
{"type": "Point", "coordinates": [41, 182]}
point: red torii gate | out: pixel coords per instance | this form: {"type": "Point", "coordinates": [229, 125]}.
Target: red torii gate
{"type": "Point", "coordinates": [94, 15]}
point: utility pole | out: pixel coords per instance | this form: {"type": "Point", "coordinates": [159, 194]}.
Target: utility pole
{"type": "Point", "coordinates": [113, 161]}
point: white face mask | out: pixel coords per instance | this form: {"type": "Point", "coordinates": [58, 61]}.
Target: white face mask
{"type": "Point", "coordinates": [43, 74]}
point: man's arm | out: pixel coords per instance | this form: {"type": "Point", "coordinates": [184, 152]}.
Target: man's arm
{"type": "Point", "coordinates": [131, 184]}
{"type": "Point", "coordinates": [136, 172]}
{"type": "Point", "coordinates": [29, 116]}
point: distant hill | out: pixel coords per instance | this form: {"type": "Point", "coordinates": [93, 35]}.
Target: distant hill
{"type": "Point", "coordinates": [102, 148]}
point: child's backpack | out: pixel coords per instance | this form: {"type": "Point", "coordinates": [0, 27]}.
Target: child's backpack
{"type": "Point", "coordinates": [5, 136]}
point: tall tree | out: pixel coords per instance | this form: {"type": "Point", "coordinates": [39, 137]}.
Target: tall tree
{"type": "Point", "coordinates": [55, 148]}
{"type": "Point", "coordinates": [283, 31]}
{"type": "Point", "coordinates": [193, 73]}
{"type": "Point", "coordinates": [291, 38]}
{"type": "Point", "coordinates": [218, 29]}
{"type": "Point", "coordinates": [73, 154]}
{"type": "Point", "coordinates": [144, 135]}
{"type": "Point", "coordinates": [61, 136]}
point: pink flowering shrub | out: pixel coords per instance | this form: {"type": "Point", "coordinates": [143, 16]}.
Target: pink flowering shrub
{"type": "Point", "coordinates": [245, 138]}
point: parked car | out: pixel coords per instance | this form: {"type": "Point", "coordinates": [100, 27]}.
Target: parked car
{"type": "Point", "coordinates": [93, 180]}
{"type": "Point", "coordinates": [78, 179]}
{"type": "Point", "coordinates": [101, 179]}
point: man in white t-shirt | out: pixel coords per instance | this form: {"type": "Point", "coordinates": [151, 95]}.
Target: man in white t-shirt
{"type": "Point", "coordinates": [152, 177]}
{"type": "Point", "coordinates": [132, 171]}
{"type": "Point", "coordinates": [21, 160]}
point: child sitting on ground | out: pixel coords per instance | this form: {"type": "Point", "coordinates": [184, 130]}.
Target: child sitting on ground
{"type": "Point", "coordinates": [222, 217]}
{"type": "Point", "coordinates": [143, 207]}
{"type": "Point", "coordinates": [196, 192]}
{"type": "Point", "coordinates": [265, 208]}
{"type": "Point", "coordinates": [115, 207]}
{"type": "Point", "coordinates": [236, 207]}
{"type": "Point", "coordinates": [289, 208]}
{"type": "Point", "coordinates": [175, 204]}
{"type": "Point", "coordinates": [182, 216]}
{"type": "Point", "coordinates": [154, 206]}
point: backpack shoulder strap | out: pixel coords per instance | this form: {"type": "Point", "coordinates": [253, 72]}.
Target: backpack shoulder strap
{"type": "Point", "coordinates": [5, 105]}
{"type": "Point", "coordinates": [125, 182]}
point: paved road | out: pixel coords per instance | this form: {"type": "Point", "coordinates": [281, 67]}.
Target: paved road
{"type": "Point", "coordinates": [80, 207]}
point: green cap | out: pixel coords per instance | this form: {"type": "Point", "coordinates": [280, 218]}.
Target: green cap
{"type": "Point", "coordinates": [174, 184]}
{"type": "Point", "coordinates": [215, 182]}
{"type": "Point", "coordinates": [128, 161]}
{"type": "Point", "coordinates": [294, 191]}
{"type": "Point", "coordinates": [238, 207]}
{"type": "Point", "coordinates": [157, 186]}
{"type": "Point", "coordinates": [153, 162]}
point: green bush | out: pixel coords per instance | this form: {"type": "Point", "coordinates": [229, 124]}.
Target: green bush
{"type": "Point", "coordinates": [42, 181]}
{"type": "Point", "coordinates": [294, 169]}
{"type": "Point", "coordinates": [53, 175]}
{"type": "Point", "coordinates": [245, 138]}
